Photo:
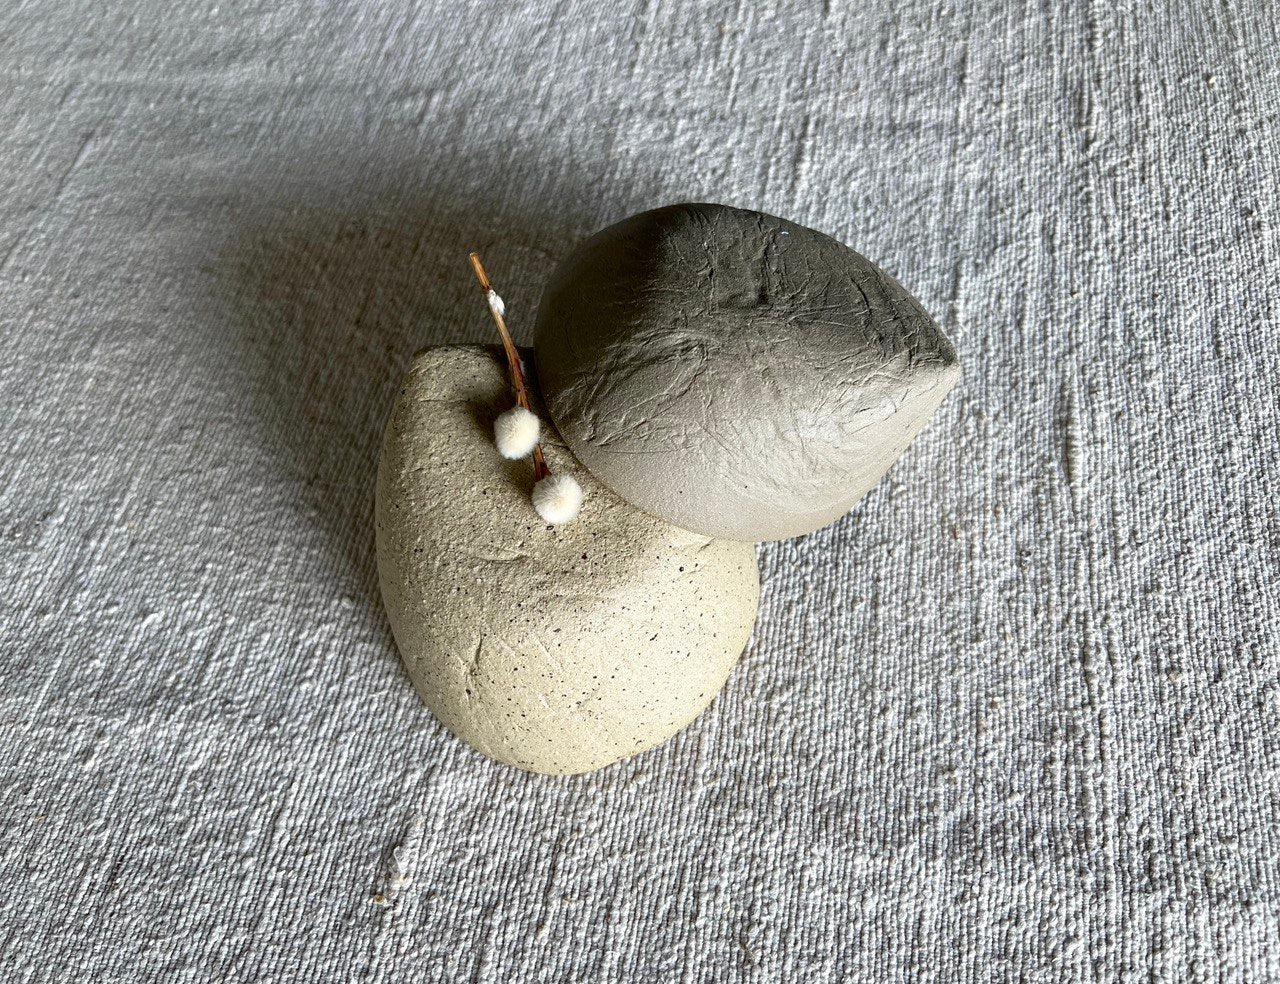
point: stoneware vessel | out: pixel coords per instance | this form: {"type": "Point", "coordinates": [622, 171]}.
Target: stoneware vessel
{"type": "Point", "coordinates": [712, 377]}
{"type": "Point", "coordinates": [553, 648]}
{"type": "Point", "coordinates": [735, 373]}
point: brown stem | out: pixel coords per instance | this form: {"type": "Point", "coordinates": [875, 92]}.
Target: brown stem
{"type": "Point", "coordinates": [540, 469]}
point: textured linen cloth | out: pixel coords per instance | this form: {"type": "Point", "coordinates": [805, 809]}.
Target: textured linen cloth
{"type": "Point", "coordinates": [1017, 717]}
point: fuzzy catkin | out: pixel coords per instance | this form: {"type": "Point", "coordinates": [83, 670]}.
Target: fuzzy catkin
{"type": "Point", "coordinates": [516, 432]}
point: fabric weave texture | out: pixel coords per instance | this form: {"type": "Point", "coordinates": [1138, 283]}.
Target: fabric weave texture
{"type": "Point", "coordinates": [1016, 717]}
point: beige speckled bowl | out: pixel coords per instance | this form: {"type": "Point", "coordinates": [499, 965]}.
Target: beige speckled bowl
{"type": "Point", "coordinates": [555, 649]}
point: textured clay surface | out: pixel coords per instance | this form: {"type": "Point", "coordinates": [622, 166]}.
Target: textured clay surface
{"type": "Point", "coordinates": [555, 649]}
{"type": "Point", "coordinates": [1014, 720]}
{"type": "Point", "coordinates": [735, 373]}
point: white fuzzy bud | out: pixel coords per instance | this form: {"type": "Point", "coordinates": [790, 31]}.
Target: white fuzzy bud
{"type": "Point", "coordinates": [516, 432]}
{"type": "Point", "coordinates": [495, 302]}
{"type": "Point", "coordinates": [557, 498]}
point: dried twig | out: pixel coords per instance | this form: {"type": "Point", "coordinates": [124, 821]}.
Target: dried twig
{"type": "Point", "coordinates": [498, 310]}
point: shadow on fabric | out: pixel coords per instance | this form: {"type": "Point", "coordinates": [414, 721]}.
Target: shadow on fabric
{"type": "Point", "coordinates": [333, 285]}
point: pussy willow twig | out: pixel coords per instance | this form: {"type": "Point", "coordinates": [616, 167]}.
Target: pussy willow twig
{"type": "Point", "coordinates": [497, 309]}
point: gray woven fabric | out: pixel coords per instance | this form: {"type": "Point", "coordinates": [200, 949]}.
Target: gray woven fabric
{"type": "Point", "coordinates": [1016, 717]}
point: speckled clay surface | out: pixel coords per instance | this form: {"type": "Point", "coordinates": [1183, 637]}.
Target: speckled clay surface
{"type": "Point", "coordinates": [735, 373]}
{"type": "Point", "coordinates": [553, 649]}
